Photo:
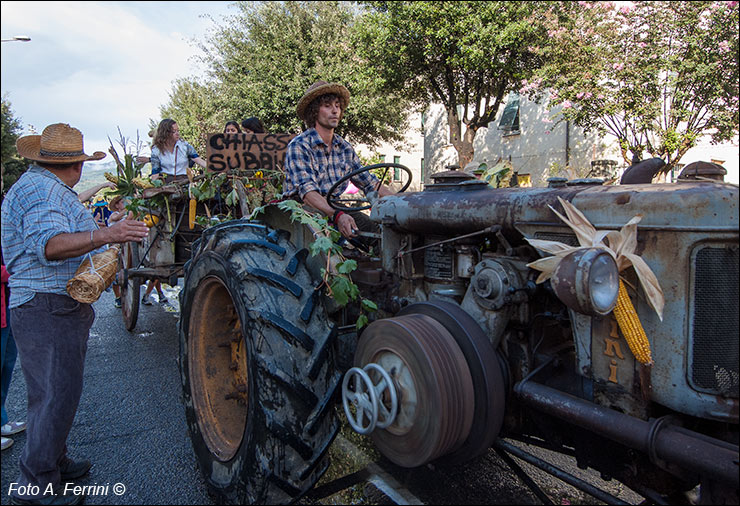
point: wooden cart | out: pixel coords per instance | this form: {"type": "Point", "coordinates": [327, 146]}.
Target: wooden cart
{"type": "Point", "coordinates": [163, 254]}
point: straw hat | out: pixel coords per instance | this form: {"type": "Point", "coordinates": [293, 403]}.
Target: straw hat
{"type": "Point", "coordinates": [114, 201]}
{"type": "Point", "coordinates": [59, 143]}
{"type": "Point", "coordinates": [322, 88]}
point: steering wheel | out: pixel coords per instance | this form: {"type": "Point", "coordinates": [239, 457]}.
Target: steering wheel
{"type": "Point", "coordinates": [339, 201]}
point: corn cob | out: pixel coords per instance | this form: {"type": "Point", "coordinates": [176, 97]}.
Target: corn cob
{"type": "Point", "coordinates": [191, 220]}
{"type": "Point", "coordinates": [629, 323]}
{"type": "Point", "coordinates": [110, 177]}
{"type": "Point", "coordinates": [142, 183]}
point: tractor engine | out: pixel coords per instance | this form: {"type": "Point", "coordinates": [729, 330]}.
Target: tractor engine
{"type": "Point", "coordinates": [472, 348]}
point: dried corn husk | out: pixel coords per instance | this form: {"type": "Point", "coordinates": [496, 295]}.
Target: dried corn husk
{"type": "Point", "coordinates": [91, 280]}
{"type": "Point", "coordinates": [621, 245]}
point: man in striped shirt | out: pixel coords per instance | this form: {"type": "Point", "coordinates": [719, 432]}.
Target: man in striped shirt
{"type": "Point", "coordinates": [318, 158]}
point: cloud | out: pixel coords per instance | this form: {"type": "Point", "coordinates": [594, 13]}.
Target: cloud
{"type": "Point", "coordinates": [99, 65]}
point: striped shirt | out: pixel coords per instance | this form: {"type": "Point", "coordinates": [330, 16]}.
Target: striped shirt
{"type": "Point", "coordinates": [311, 166]}
{"type": "Point", "coordinates": [38, 207]}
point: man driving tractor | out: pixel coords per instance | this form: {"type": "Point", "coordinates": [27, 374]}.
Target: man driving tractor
{"type": "Point", "coordinates": [317, 158]}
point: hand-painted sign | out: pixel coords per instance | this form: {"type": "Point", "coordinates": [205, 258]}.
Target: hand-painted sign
{"type": "Point", "coordinates": [247, 151]}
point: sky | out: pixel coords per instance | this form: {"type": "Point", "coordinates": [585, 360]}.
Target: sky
{"type": "Point", "coordinates": [100, 65]}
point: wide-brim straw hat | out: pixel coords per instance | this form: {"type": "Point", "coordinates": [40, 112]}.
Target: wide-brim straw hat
{"type": "Point", "coordinates": [58, 143]}
{"type": "Point", "coordinates": [322, 88]}
{"type": "Point", "coordinates": [114, 201]}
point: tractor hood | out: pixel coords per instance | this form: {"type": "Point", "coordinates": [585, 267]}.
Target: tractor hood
{"type": "Point", "coordinates": [471, 206]}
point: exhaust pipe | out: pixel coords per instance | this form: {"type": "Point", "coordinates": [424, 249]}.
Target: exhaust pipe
{"type": "Point", "coordinates": [690, 450]}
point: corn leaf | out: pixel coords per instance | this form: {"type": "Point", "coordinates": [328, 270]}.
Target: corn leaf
{"type": "Point", "coordinates": [648, 281]}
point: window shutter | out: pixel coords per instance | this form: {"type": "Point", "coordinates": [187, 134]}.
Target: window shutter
{"type": "Point", "coordinates": [509, 121]}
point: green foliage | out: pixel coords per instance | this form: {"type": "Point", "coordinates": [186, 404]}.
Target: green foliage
{"type": "Point", "coordinates": [208, 187]}
{"type": "Point", "coordinates": [657, 75]}
{"type": "Point", "coordinates": [499, 175]}
{"type": "Point", "coordinates": [198, 109]}
{"type": "Point", "coordinates": [12, 165]}
{"type": "Point", "coordinates": [126, 171]}
{"type": "Point", "coordinates": [261, 61]}
{"type": "Point", "coordinates": [465, 53]}
{"type": "Point", "coordinates": [337, 280]}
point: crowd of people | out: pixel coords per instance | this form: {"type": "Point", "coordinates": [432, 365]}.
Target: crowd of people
{"type": "Point", "coordinates": [48, 229]}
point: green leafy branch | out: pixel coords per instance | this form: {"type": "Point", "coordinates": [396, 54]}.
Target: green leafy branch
{"type": "Point", "coordinates": [499, 175]}
{"type": "Point", "coordinates": [336, 276]}
{"type": "Point", "coordinates": [260, 187]}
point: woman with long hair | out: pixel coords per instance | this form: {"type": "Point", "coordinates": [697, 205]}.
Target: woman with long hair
{"type": "Point", "coordinates": [232, 127]}
{"type": "Point", "coordinates": [171, 154]}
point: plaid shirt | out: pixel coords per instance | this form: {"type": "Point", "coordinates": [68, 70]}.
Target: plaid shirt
{"type": "Point", "coordinates": [38, 207]}
{"type": "Point", "coordinates": [311, 166]}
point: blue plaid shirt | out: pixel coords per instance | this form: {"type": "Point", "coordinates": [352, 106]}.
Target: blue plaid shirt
{"type": "Point", "coordinates": [38, 207]}
{"type": "Point", "coordinates": [311, 166]}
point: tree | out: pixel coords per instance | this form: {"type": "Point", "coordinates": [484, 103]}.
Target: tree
{"type": "Point", "coordinates": [198, 111]}
{"type": "Point", "coordinates": [12, 165]}
{"type": "Point", "coordinates": [465, 53]}
{"type": "Point", "coordinates": [656, 75]}
{"type": "Point", "coordinates": [261, 61]}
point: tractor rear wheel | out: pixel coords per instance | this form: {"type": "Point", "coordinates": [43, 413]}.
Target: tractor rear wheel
{"type": "Point", "coordinates": [257, 366]}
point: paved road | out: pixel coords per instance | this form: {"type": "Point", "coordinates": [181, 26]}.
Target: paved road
{"type": "Point", "coordinates": [131, 424]}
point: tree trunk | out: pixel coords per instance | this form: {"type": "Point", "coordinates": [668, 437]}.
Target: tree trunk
{"type": "Point", "coordinates": [465, 148]}
{"type": "Point", "coordinates": [462, 144]}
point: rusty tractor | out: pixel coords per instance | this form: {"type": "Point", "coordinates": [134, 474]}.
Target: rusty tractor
{"type": "Point", "coordinates": [466, 348]}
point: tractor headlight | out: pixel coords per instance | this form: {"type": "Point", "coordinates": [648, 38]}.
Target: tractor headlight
{"type": "Point", "coordinates": [587, 281]}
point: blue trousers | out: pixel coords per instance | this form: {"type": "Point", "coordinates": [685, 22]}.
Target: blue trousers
{"type": "Point", "coordinates": [51, 333]}
{"type": "Point", "coordinates": [9, 353]}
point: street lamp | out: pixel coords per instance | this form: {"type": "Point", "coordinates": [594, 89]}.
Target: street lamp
{"type": "Point", "coordinates": [20, 38]}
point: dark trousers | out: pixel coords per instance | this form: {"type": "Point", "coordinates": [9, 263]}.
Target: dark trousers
{"type": "Point", "coordinates": [365, 224]}
{"type": "Point", "coordinates": [51, 333]}
{"type": "Point", "coordinates": [8, 354]}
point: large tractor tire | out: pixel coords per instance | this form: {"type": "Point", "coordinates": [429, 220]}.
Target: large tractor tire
{"type": "Point", "coordinates": [257, 366]}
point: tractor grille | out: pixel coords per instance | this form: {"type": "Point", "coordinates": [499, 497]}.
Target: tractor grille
{"type": "Point", "coordinates": [714, 366]}
{"type": "Point", "coordinates": [569, 239]}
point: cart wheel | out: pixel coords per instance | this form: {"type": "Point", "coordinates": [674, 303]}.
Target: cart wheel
{"type": "Point", "coordinates": [129, 259]}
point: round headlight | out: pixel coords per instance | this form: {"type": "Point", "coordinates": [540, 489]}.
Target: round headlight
{"type": "Point", "coordinates": [603, 283]}
{"type": "Point", "coordinates": [587, 281]}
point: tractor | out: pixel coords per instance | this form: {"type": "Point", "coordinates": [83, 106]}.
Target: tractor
{"type": "Point", "coordinates": [466, 346]}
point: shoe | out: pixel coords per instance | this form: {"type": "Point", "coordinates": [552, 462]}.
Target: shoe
{"type": "Point", "coordinates": [50, 499]}
{"type": "Point", "coordinates": [163, 300]}
{"type": "Point", "coordinates": [7, 443]}
{"type": "Point", "coordinates": [11, 428]}
{"type": "Point", "coordinates": [146, 300]}
{"type": "Point", "coordinates": [117, 302]}
{"type": "Point", "coordinates": [73, 469]}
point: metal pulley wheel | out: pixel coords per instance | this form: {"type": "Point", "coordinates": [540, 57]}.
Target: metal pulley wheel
{"type": "Point", "coordinates": [435, 391]}
{"type": "Point", "coordinates": [489, 386]}
{"type": "Point", "coordinates": [369, 398]}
